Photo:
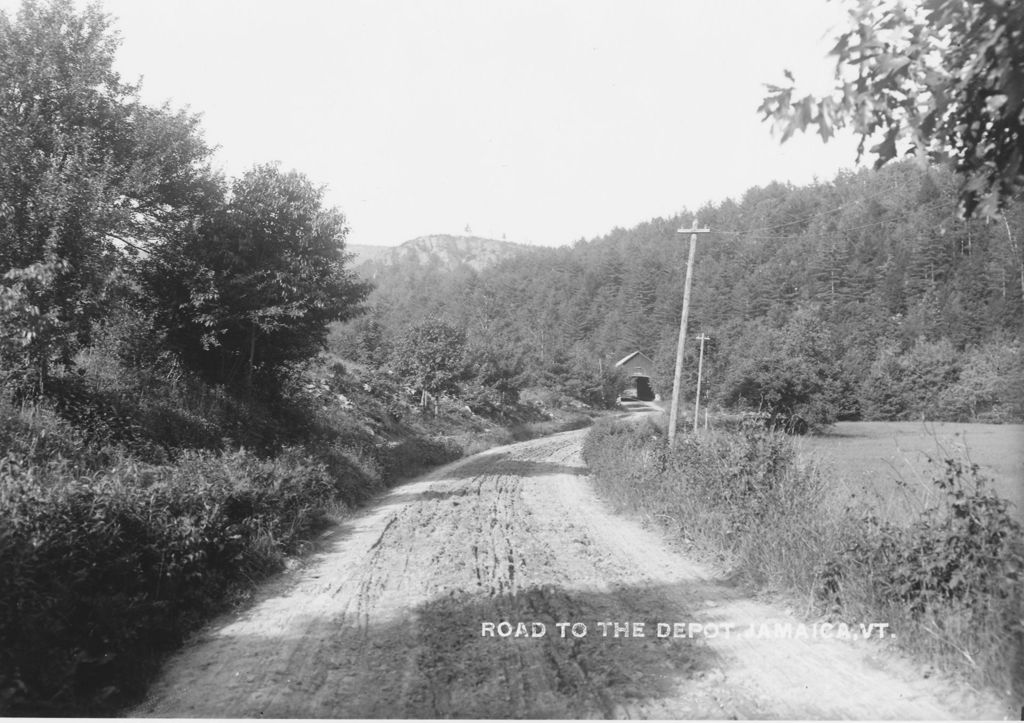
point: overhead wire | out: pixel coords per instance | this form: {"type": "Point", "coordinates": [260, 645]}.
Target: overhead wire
{"type": "Point", "coordinates": [817, 214]}
{"type": "Point", "coordinates": [753, 233]}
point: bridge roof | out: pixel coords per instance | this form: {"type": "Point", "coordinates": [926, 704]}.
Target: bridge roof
{"type": "Point", "coordinates": [626, 358]}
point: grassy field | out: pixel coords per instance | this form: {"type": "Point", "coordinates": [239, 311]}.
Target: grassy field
{"type": "Point", "coordinates": [887, 463]}
{"type": "Point", "coordinates": [848, 526]}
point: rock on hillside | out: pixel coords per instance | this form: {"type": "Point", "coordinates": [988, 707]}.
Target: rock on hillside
{"type": "Point", "coordinates": [441, 252]}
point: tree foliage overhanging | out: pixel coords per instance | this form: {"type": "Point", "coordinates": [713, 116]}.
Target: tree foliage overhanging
{"type": "Point", "coordinates": [945, 78]}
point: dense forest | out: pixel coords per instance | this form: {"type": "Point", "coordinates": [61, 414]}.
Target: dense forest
{"type": "Point", "coordinates": [864, 297]}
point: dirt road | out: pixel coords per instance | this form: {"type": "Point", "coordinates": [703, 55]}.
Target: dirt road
{"type": "Point", "coordinates": [387, 621]}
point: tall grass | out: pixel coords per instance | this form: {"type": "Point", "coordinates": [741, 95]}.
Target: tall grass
{"type": "Point", "coordinates": [950, 581]}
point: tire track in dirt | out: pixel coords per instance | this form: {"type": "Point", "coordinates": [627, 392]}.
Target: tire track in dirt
{"type": "Point", "coordinates": [386, 622]}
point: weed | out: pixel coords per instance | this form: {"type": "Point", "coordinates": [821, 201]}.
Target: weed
{"type": "Point", "coordinates": [950, 582]}
{"type": "Point", "coordinates": [953, 578]}
{"type": "Point", "coordinates": [103, 570]}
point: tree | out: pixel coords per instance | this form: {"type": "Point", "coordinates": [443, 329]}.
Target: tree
{"type": "Point", "coordinates": [85, 171]}
{"type": "Point", "coordinates": [431, 357]}
{"type": "Point", "coordinates": [945, 77]}
{"type": "Point", "coordinates": [500, 369]}
{"type": "Point", "coordinates": [789, 374]}
{"type": "Point", "coordinates": [252, 288]}
{"type": "Point", "coordinates": [365, 339]}
{"type": "Point", "coordinates": [991, 384]}
{"type": "Point", "coordinates": [910, 385]}
{"type": "Point", "coordinates": [594, 381]}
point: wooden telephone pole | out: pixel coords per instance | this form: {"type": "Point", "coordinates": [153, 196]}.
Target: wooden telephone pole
{"type": "Point", "coordinates": [700, 370]}
{"type": "Point", "coordinates": [674, 412]}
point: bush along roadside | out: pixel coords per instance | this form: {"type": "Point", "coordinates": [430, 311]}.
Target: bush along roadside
{"type": "Point", "coordinates": [110, 556]}
{"type": "Point", "coordinates": [109, 562]}
{"type": "Point", "coordinates": [104, 571]}
{"type": "Point", "coordinates": [950, 582]}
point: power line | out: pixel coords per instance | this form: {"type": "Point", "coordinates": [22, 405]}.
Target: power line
{"type": "Point", "coordinates": [819, 214]}
{"type": "Point", "coordinates": [821, 236]}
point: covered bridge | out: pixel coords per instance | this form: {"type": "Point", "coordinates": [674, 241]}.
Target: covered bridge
{"type": "Point", "coordinates": [638, 368]}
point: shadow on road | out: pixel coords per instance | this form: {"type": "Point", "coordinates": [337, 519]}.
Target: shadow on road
{"type": "Point", "coordinates": [486, 468]}
{"type": "Point", "coordinates": [556, 675]}
{"type": "Point", "coordinates": [433, 662]}
{"type": "Point", "coordinates": [513, 466]}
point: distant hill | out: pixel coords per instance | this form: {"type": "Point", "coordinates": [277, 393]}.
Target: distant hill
{"type": "Point", "coordinates": [441, 252]}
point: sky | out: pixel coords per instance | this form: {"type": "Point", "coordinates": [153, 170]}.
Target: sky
{"type": "Point", "coordinates": [537, 121]}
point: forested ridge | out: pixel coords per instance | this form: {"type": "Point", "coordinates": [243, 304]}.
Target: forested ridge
{"type": "Point", "coordinates": [863, 297]}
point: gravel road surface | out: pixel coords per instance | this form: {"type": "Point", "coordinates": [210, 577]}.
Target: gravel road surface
{"type": "Point", "coordinates": [400, 616]}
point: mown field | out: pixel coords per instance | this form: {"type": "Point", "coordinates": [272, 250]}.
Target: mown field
{"type": "Point", "coordinates": [888, 464]}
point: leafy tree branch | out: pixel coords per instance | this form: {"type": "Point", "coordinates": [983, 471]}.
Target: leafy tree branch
{"type": "Point", "coordinates": [941, 78]}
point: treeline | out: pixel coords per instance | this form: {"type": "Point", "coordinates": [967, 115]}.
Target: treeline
{"type": "Point", "coordinates": [859, 298]}
{"type": "Point", "coordinates": [111, 218]}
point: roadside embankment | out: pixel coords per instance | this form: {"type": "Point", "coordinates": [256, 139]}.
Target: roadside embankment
{"type": "Point", "coordinates": [133, 510]}
{"type": "Point", "coordinates": [949, 580]}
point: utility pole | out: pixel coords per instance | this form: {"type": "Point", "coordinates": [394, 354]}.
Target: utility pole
{"type": "Point", "coordinates": [674, 412]}
{"type": "Point", "coordinates": [700, 370]}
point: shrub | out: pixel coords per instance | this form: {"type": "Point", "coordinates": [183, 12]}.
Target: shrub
{"type": "Point", "coordinates": [990, 387]}
{"type": "Point", "coordinates": [36, 434]}
{"type": "Point", "coordinates": [788, 373]}
{"type": "Point", "coordinates": [411, 456]}
{"type": "Point", "coordinates": [104, 571]}
{"type": "Point", "coordinates": [910, 385]}
{"type": "Point", "coordinates": [740, 477]}
{"type": "Point", "coordinates": [951, 581]}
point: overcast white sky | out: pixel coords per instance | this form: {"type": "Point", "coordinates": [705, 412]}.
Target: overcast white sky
{"type": "Point", "coordinates": [540, 120]}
